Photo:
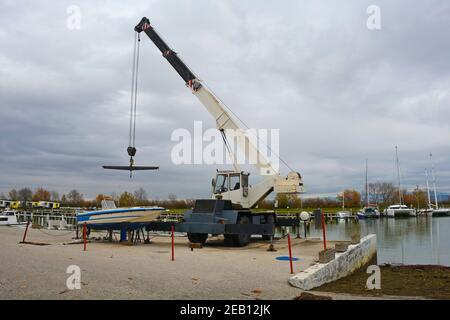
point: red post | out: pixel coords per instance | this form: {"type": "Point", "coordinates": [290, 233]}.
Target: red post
{"type": "Point", "coordinates": [290, 253]}
{"type": "Point", "coordinates": [324, 232]}
{"type": "Point", "coordinates": [84, 235]}
{"type": "Point", "coordinates": [173, 244]}
{"type": "Point", "coordinates": [25, 233]}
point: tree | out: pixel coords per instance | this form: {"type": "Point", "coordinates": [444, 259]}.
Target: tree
{"type": "Point", "coordinates": [282, 200]}
{"type": "Point", "coordinates": [126, 199]}
{"type": "Point", "coordinates": [13, 195]}
{"type": "Point", "coordinates": [75, 198]}
{"type": "Point", "coordinates": [352, 198]}
{"type": "Point", "coordinates": [54, 195]}
{"type": "Point", "coordinates": [383, 193]}
{"type": "Point", "coordinates": [418, 199]}
{"type": "Point", "coordinates": [41, 195]}
{"type": "Point", "coordinates": [140, 195]}
{"type": "Point", "coordinates": [172, 197]}
{"type": "Point", "coordinates": [63, 200]}
{"type": "Point", "coordinates": [25, 194]}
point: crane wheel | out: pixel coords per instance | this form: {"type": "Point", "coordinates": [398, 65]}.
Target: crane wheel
{"type": "Point", "coordinates": [197, 237]}
{"type": "Point", "coordinates": [241, 240]}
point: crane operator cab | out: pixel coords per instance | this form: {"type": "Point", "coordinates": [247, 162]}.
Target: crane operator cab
{"type": "Point", "coordinates": [230, 185]}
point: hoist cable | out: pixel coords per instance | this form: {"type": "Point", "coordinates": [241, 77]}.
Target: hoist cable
{"type": "Point", "coordinates": [136, 72]}
{"type": "Point", "coordinates": [132, 89]}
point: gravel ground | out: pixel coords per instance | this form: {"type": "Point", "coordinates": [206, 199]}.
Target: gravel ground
{"type": "Point", "coordinates": [145, 271]}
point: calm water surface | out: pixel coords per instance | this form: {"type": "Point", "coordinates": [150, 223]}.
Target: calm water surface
{"type": "Point", "coordinates": [419, 240]}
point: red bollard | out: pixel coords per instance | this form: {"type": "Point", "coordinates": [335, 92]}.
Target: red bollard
{"type": "Point", "coordinates": [324, 232]}
{"type": "Point", "coordinates": [25, 233]}
{"type": "Point", "coordinates": [290, 253]}
{"type": "Point", "coordinates": [84, 235]}
{"type": "Point", "coordinates": [173, 245]}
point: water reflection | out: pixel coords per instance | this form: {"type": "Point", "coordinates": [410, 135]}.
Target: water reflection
{"type": "Point", "coordinates": [410, 240]}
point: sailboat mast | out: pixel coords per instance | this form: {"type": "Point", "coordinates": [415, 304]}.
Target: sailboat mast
{"type": "Point", "coordinates": [400, 198]}
{"type": "Point", "coordinates": [428, 190]}
{"type": "Point", "coordinates": [434, 182]}
{"type": "Point", "coordinates": [367, 186]}
{"type": "Point", "coordinates": [343, 200]}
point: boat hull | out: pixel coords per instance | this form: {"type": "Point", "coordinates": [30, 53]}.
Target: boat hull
{"type": "Point", "coordinates": [396, 213]}
{"type": "Point", "coordinates": [117, 218]}
{"type": "Point", "coordinates": [441, 212]}
{"type": "Point", "coordinates": [343, 215]}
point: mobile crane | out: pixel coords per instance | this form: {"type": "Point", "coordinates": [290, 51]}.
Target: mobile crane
{"type": "Point", "coordinates": [228, 211]}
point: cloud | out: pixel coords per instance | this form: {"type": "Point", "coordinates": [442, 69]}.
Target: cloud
{"type": "Point", "coordinates": [338, 92]}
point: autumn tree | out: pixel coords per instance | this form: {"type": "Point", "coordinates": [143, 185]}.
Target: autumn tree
{"type": "Point", "coordinates": [352, 198]}
{"type": "Point", "coordinates": [41, 195]}
{"type": "Point", "coordinates": [418, 198]}
{"type": "Point", "coordinates": [126, 199]}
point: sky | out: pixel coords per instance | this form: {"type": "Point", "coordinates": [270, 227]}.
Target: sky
{"type": "Point", "coordinates": [338, 91]}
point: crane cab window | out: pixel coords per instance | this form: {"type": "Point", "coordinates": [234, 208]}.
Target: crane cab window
{"type": "Point", "coordinates": [221, 184]}
{"type": "Point", "coordinates": [235, 182]}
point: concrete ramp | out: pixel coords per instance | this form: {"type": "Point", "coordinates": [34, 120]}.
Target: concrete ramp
{"type": "Point", "coordinates": [345, 263]}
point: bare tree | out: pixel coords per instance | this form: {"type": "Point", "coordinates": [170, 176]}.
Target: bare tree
{"type": "Point", "coordinates": [383, 192]}
{"type": "Point", "coordinates": [13, 195]}
{"type": "Point", "coordinates": [140, 195]}
{"type": "Point", "coordinates": [25, 194]}
{"type": "Point", "coordinates": [75, 198]}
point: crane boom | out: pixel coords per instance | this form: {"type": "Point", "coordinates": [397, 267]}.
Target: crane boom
{"type": "Point", "coordinates": [224, 122]}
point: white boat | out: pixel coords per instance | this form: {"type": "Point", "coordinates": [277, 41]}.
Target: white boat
{"type": "Point", "coordinates": [425, 212]}
{"type": "Point", "coordinates": [438, 212]}
{"type": "Point", "coordinates": [9, 218]}
{"type": "Point", "coordinates": [343, 214]}
{"type": "Point", "coordinates": [400, 210]}
{"type": "Point", "coordinates": [368, 212]}
{"type": "Point", "coordinates": [111, 217]}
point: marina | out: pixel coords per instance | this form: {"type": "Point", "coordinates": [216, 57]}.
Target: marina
{"type": "Point", "coordinates": [205, 150]}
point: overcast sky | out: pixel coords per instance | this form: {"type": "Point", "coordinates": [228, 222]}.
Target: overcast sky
{"type": "Point", "coordinates": [338, 92]}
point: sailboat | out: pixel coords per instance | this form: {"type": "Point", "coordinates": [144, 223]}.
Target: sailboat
{"type": "Point", "coordinates": [427, 211]}
{"type": "Point", "coordinates": [437, 211]}
{"type": "Point", "coordinates": [368, 211]}
{"type": "Point", "coordinates": [399, 210]}
{"type": "Point", "coordinates": [343, 214]}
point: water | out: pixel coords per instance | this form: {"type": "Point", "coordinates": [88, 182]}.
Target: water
{"type": "Point", "coordinates": [409, 240]}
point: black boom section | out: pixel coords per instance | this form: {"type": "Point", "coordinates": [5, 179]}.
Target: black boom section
{"type": "Point", "coordinates": [171, 56]}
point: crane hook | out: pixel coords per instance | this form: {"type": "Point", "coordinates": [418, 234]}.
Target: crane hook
{"type": "Point", "coordinates": [131, 152]}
